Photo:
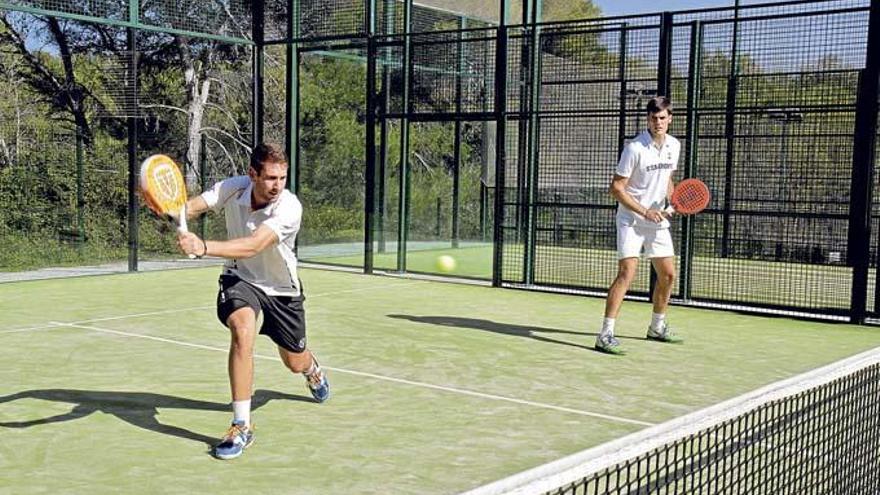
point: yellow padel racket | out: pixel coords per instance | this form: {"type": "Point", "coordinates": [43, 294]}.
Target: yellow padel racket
{"type": "Point", "coordinates": [164, 190]}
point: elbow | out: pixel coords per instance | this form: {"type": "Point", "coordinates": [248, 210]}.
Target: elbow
{"type": "Point", "coordinates": [614, 192]}
{"type": "Point", "coordinates": [253, 248]}
{"type": "Point", "coordinates": [248, 252]}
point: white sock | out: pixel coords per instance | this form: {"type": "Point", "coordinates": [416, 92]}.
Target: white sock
{"type": "Point", "coordinates": [657, 320]}
{"type": "Point", "coordinates": [241, 411]}
{"type": "Point", "coordinates": [608, 326]}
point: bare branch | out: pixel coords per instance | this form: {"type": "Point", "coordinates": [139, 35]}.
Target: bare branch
{"type": "Point", "coordinates": [238, 141]}
{"type": "Point", "coordinates": [424, 163]}
{"type": "Point", "coordinates": [166, 107]}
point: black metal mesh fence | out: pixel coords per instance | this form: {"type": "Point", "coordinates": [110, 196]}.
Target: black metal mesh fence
{"type": "Point", "coordinates": [453, 72]}
{"type": "Point", "coordinates": [767, 110]}
{"type": "Point", "coordinates": [573, 107]}
{"type": "Point", "coordinates": [228, 19]}
{"type": "Point", "coordinates": [75, 103]}
{"type": "Point", "coordinates": [331, 175]}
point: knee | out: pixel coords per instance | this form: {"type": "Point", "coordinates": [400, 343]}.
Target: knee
{"type": "Point", "coordinates": [666, 279]}
{"type": "Point", "coordinates": [242, 339]}
{"type": "Point", "coordinates": [626, 275]}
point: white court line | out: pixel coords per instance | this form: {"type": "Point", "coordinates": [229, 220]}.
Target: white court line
{"type": "Point", "coordinates": [379, 377]}
{"type": "Point", "coordinates": [182, 310]}
{"type": "Point", "coordinates": [139, 315]}
{"type": "Point", "coordinates": [50, 326]}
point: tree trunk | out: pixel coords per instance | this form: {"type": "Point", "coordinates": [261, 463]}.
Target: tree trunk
{"type": "Point", "coordinates": [72, 92]}
{"type": "Point", "coordinates": [198, 88]}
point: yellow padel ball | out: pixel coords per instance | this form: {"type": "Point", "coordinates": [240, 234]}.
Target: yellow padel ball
{"type": "Point", "coordinates": [445, 263]}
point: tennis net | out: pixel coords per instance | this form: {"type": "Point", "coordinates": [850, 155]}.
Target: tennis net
{"type": "Point", "coordinates": [817, 433]}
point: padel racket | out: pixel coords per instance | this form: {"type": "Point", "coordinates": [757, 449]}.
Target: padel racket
{"type": "Point", "coordinates": [164, 190]}
{"type": "Point", "coordinates": [690, 196]}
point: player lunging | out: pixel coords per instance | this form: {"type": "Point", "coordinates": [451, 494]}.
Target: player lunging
{"type": "Point", "coordinates": [259, 276]}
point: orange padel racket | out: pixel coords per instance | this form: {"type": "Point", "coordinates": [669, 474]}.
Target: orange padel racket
{"type": "Point", "coordinates": [690, 196]}
{"type": "Point", "coordinates": [164, 190]}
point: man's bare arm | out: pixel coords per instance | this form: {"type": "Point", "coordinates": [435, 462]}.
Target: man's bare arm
{"type": "Point", "coordinates": [195, 207]}
{"type": "Point", "coordinates": [240, 248]}
{"type": "Point", "coordinates": [618, 191]}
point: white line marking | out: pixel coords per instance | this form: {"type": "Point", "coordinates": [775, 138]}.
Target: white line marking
{"type": "Point", "coordinates": [30, 329]}
{"type": "Point", "coordinates": [379, 377]}
{"type": "Point", "coordinates": [495, 397]}
{"type": "Point", "coordinates": [139, 315]}
{"type": "Point", "coordinates": [182, 310]}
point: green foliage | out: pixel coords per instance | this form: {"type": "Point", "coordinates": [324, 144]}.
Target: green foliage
{"type": "Point", "coordinates": [38, 165]}
{"type": "Point", "coordinates": [569, 10]}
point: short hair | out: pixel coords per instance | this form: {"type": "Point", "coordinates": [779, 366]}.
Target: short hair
{"type": "Point", "coordinates": [658, 104]}
{"type": "Point", "coordinates": [267, 153]}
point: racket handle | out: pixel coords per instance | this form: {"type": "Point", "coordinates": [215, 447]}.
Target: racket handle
{"type": "Point", "coordinates": [181, 226]}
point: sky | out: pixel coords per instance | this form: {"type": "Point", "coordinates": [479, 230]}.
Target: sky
{"type": "Point", "coordinates": [624, 7]}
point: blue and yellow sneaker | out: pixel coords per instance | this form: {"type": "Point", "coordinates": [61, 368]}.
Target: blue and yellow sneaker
{"type": "Point", "coordinates": [238, 437]}
{"type": "Point", "coordinates": [317, 381]}
{"type": "Point", "coordinates": [318, 384]}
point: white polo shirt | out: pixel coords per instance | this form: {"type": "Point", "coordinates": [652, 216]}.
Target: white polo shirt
{"type": "Point", "coordinates": [274, 269]}
{"type": "Point", "coordinates": [649, 169]}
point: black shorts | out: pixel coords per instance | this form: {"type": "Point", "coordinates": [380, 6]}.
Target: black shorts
{"type": "Point", "coordinates": [284, 319]}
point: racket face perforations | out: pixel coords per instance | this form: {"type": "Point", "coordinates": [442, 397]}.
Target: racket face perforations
{"type": "Point", "coordinates": [166, 183]}
{"type": "Point", "coordinates": [690, 196]}
{"type": "Point", "coordinates": [162, 184]}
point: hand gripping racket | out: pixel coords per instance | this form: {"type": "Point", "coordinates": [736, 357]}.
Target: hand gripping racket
{"type": "Point", "coordinates": [164, 190]}
{"type": "Point", "coordinates": [690, 196]}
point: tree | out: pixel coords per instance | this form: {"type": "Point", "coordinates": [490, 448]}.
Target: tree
{"type": "Point", "coordinates": [49, 69]}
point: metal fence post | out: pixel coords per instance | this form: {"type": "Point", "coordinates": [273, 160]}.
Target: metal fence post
{"type": "Point", "coordinates": [861, 189]}
{"type": "Point", "coordinates": [370, 150]}
{"type": "Point", "coordinates": [258, 95]}
{"type": "Point", "coordinates": [403, 173]}
{"type": "Point", "coordinates": [664, 87]}
{"type": "Point", "coordinates": [692, 138]}
{"type": "Point", "coordinates": [500, 154]}
{"type": "Point", "coordinates": [132, 161]}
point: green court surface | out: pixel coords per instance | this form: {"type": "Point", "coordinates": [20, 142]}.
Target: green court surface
{"type": "Point", "coordinates": [117, 384]}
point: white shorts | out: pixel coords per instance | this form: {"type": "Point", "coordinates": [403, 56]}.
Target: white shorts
{"type": "Point", "coordinates": [632, 238]}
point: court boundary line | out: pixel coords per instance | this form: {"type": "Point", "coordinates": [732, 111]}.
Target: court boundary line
{"type": "Point", "coordinates": [375, 376]}
{"type": "Point", "coordinates": [53, 326]}
{"type": "Point", "coordinates": [48, 326]}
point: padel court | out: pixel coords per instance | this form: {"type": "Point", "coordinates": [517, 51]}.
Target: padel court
{"type": "Point", "coordinates": [117, 384]}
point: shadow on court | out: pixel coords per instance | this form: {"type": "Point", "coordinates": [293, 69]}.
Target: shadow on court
{"type": "Point", "coordinates": [136, 408]}
{"type": "Point", "coordinates": [527, 331]}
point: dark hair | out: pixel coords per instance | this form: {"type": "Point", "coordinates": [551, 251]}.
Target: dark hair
{"type": "Point", "coordinates": [267, 153]}
{"type": "Point", "coordinates": [658, 104]}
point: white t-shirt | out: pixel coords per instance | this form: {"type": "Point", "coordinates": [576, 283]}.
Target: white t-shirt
{"type": "Point", "coordinates": [274, 269]}
{"type": "Point", "coordinates": [649, 169]}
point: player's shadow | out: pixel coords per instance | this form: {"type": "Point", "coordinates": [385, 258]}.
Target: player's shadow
{"type": "Point", "coordinates": [528, 331]}
{"type": "Point", "coordinates": [136, 408]}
